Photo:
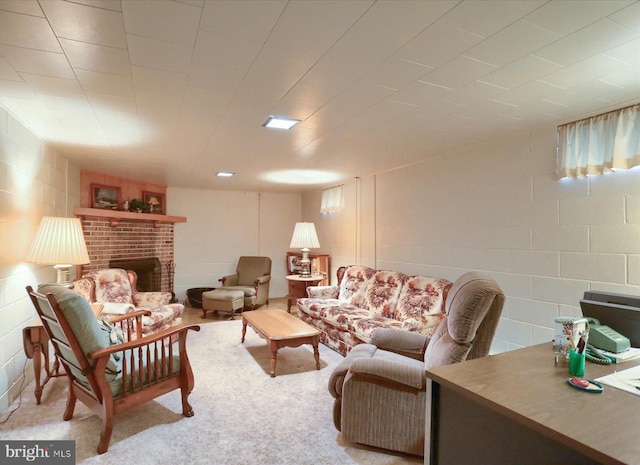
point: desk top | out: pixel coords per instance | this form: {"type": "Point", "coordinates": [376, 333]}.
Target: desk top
{"type": "Point", "coordinates": [525, 386]}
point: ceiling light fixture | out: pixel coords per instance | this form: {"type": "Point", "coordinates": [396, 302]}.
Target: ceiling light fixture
{"type": "Point", "coordinates": [224, 174]}
{"type": "Point", "coordinates": [280, 122]}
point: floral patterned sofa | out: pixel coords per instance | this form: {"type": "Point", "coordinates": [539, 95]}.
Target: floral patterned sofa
{"type": "Point", "coordinates": [115, 290]}
{"type": "Point", "coordinates": [366, 300]}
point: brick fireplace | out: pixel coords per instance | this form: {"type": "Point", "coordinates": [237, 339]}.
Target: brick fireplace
{"type": "Point", "coordinates": [129, 241]}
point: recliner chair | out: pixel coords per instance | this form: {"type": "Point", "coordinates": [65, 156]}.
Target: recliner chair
{"type": "Point", "coordinates": [380, 388]}
{"type": "Point", "coordinates": [252, 277]}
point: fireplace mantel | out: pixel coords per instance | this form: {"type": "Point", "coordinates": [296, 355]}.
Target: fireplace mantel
{"type": "Point", "coordinates": [115, 216]}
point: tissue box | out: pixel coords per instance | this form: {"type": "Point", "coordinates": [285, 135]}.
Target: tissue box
{"type": "Point", "coordinates": [568, 328]}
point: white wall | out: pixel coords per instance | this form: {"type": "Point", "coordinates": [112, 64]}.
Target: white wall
{"type": "Point", "coordinates": [33, 183]}
{"type": "Point", "coordinates": [223, 225]}
{"type": "Point", "coordinates": [498, 208]}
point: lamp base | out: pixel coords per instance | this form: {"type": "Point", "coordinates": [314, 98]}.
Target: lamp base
{"type": "Point", "coordinates": [305, 263]}
{"type": "Point", "coordinates": [63, 274]}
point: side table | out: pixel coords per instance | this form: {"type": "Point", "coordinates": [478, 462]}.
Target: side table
{"type": "Point", "coordinates": [36, 345]}
{"type": "Point", "coordinates": [298, 286]}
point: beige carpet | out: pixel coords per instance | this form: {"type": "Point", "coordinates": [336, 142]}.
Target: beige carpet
{"type": "Point", "coordinates": [242, 415]}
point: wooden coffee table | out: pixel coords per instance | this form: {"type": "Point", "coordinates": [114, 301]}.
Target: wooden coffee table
{"type": "Point", "coordinates": [281, 329]}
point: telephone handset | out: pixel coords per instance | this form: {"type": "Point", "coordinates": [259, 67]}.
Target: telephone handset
{"type": "Point", "coordinates": [605, 338]}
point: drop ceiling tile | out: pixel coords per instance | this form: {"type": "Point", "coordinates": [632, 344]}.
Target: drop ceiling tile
{"type": "Point", "coordinates": [587, 70]}
{"type": "Point", "coordinates": [53, 86]}
{"type": "Point", "coordinates": [92, 81]}
{"type": "Point", "coordinates": [219, 78]}
{"type": "Point", "coordinates": [7, 72]}
{"type": "Point", "coordinates": [155, 80]}
{"type": "Point", "coordinates": [98, 58]}
{"type": "Point", "coordinates": [162, 20]}
{"type": "Point", "coordinates": [396, 73]}
{"type": "Point", "coordinates": [26, 7]}
{"type": "Point", "coordinates": [37, 61]}
{"type": "Point", "coordinates": [27, 31]}
{"type": "Point", "coordinates": [250, 20]}
{"type": "Point", "coordinates": [629, 16]}
{"type": "Point", "coordinates": [628, 80]}
{"type": "Point", "coordinates": [596, 38]}
{"type": "Point", "coordinates": [113, 5]}
{"type": "Point", "coordinates": [458, 72]}
{"type": "Point", "coordinates": [110, 102]}
{"type": "Point", "coordinates": [535, 90]}
{"type": "Point", "coordinates": [220, 50]}
{"type": "Point", "coordinates": [512, 43]}
{"type": "Point", "coordinates": [438, 44]}
{"type": "Point", "coordinates": [158, 54]}
{"type": "Point", "coordinates": [487, 17]}
{"type": "Point", "coordinates": [420, 93]}
{"type": "Point", "coordinates": [85, 23]}
{"type": "Point", "coordinates": [473, 93]}
{"type": "Point", "coordinates": [628, 53]}
{"type": "Point", "coordinates": [565, 17]}
{"type": "Point", "coordinates": [519, 72]}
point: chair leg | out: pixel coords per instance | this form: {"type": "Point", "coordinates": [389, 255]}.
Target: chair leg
{"type": "Point", "coordinates": [105, 434]}
{"type": "Point", "coordinates": [187, 410]}
{"type": "Point", "coordinates": [71, 403]}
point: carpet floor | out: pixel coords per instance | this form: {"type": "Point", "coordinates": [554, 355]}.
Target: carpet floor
{"type": "Point", "coordinates": [242, 415]}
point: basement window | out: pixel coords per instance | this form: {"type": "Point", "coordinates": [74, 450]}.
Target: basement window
{"type": "Point", "coordinates": [332, 200]}
{"type": "Point", "coordinates": [599, 144]}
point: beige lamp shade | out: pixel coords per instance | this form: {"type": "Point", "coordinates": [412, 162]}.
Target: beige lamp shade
{"type": "Point", "coordinates": [59, 242]}
{"type": "Point", "coordinates": [305, 238]}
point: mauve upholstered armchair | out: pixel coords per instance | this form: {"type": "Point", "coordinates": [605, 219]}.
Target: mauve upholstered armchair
{"type": "Point", "coordinates": [252, 277]}
{"type": "Point", "coordinates": [380, 388]}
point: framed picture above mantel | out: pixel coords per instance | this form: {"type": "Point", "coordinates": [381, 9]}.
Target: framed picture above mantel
{"type": "Point", "coordinates": [156, 202]}
{"type": "Point", "coordinates": [105, 197]}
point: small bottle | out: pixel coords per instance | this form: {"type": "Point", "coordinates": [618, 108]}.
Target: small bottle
{"type": "Point", "coordinates": [125, 205]}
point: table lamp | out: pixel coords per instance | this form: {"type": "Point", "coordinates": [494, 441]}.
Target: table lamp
{"type": "Point", "coordinates": [59, 242]}
{"type": "Point", "coordinates": [305, 238]}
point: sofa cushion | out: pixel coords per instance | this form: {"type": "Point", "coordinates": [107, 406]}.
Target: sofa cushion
{"type": "Point", "coordinates": [364, 328]}
{"type": "Point", "coordinates": [342, 315]}
{"type": "Point", "coordinates": [421, 298]}
{"type": "Point", "coordinates": [354, 283]}
{"type": "Point", "coordinates": [314, 306]}
{"type": "Point", "coordinates": [382, 292]}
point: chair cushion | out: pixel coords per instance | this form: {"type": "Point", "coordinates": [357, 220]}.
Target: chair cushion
{"type": "Point", "coordinates": [89, 333]}
{"type": "Point", "coordinates": [112, 285]}
{"type": "Point", "coordinates": [250, 268]}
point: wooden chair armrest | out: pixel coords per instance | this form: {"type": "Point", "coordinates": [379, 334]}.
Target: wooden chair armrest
{"type": "Point", "coordinates": [143, 341]}
{"type": "Point", "coordinates": [118, 318]}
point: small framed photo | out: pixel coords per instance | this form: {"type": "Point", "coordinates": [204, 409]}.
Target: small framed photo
{"type": "Point", "coordinates": [105, 197]}
{"type": "Point", "coordinates": [155, 201]}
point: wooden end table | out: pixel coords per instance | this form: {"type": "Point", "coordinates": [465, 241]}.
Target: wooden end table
{"type": "Point", "coordinates": [281, 329]}
{"type": "Point", "coordinates": [36, 345]}
{"type": "Point", "coordinates": [298, 285]}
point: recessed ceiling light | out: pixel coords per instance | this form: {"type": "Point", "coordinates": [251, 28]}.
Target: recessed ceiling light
{"type": "Point", "coordinates": [225, 174]}
{"type": "Point", "coordinates": [280, 122]}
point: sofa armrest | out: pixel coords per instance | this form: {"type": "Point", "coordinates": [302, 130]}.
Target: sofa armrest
{"type": "Point", "coordinates": [229, 280]}
{"type": "Point", "coordinates": [323, 292]}
{"type": "Point", "coordinates": [401, 342]}
{"type": "Point", "coordinates": [406, 374]}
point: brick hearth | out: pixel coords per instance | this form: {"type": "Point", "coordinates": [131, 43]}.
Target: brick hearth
{"type": "Point", "coordinates": [127, 241]}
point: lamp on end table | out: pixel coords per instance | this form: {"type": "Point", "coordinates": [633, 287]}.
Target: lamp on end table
{"type": "Point", "coordinates": [305, 238]}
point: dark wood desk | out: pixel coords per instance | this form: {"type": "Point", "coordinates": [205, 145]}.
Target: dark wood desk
{"type": "Point", "coordinates": [516, 407]}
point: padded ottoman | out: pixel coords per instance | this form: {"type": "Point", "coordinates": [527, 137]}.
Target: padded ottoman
{"type": "Point", "coordinates": [222, 300]}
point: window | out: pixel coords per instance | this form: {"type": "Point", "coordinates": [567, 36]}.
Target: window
{"type": "Point", "coordinates": [332, 200]}
{"type": "Point", "coordinates": [599, 144]}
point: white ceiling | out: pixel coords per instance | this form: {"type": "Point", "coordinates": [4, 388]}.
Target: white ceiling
{"type": "Point", "coordinates": [173, 91]}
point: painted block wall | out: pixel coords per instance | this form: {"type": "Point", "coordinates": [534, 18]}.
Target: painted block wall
{"type": "Point", "coordinates": [498, 208]}
{"type": "Point", "coordinates": [33, 183]}
{"type": "Point", "coordinates": [223, 225]}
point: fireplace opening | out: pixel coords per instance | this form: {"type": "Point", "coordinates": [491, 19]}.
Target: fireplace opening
{"type": "Point", "coordinates": [148, 270]}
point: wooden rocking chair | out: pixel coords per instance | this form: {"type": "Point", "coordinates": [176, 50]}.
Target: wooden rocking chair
{"type": "Point", "coordinates": [107, 373]}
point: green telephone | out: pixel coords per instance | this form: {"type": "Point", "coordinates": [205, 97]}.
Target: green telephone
{"type": "Point", "coordinates": [605, 338]}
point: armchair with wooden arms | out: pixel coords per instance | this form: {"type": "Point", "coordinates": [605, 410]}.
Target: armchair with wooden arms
{"type": "Point", "coordinates": [380, 388]}
{"type": "Point", "coordinates": [110, 375]}
{"type": "Point", "coordinates": [252, 277]}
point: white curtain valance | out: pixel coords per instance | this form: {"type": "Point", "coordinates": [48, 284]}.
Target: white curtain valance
{"type": "Point", "coordinates": [332, 200]}
{"type": "Point", "coordinates": [598, 144]}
